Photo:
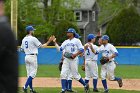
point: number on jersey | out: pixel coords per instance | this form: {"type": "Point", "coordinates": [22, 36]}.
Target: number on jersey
{"type": "Point", "coordinates": [88, 52]}
{"type": "Point", "coordinates": [26, 44]}
{"type": "Point", "coordinates": [72, 49]}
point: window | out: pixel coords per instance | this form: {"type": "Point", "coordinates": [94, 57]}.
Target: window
{"type": "Point", "coordinates": [78, 15]}
{"type": "Point", "coordinates": [49, 2]}
{"type": "Point", "coordinates": [93, 16]}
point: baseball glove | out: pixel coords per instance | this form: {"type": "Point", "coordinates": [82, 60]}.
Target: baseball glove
{"type": "Point", "coordinates": [83, 67]}
{"type": "Point", "coordinates": [68, 55]}
{"type": "Point", "coordinates": [104, 60]}
{"type": "Point", "coordinates": [60, 65]}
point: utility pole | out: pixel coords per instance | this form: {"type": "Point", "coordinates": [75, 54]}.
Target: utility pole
{"type": "Point", "coordinates": [14, 14]}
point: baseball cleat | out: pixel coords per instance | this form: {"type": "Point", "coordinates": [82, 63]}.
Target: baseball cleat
{"type": "Point", "coordinates": [87, 88]}
{"type": "Point", "coordinates": [24, 90]}
{"type": "Point", "coordinates": [95, 90]}
{"type": "Point", "coordinates": [62, 92]}
{"type": "Point", "coordinates": [70, 91]}
{"type": "Point", "coordinates": [106, 91]}
{"type": "Point", "coordinates": [120, 83]}
{"type": "Point", "coordinates": [33, 91]}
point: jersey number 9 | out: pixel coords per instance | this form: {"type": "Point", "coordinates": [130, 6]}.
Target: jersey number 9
{"type": "Point", "coordinates": [26, 44]}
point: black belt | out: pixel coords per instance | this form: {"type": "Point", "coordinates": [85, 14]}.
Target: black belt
{"type": "Point", "coordinates": [31, 54]}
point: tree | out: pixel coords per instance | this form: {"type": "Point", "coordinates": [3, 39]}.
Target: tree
{"type": "Point", "coordinates": [28, 14]}
{"type": "Point", "coordinates": [44, 19]}
{"type": "Point", "coordinates": [135, 2]}
{"type": "Point", "coordinates": [61, 28]}
{"type": "Point", "coordinates": [60, 9]}
{"type": "Point", "coordinates": [124, 29]}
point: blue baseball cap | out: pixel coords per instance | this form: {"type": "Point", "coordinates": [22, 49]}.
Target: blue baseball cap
{"type": "Point", "coordinates": [29, 28]}
{"type": "Point", "coordinates": [77, 35]}
{"type": "Point", "coordinates": [105, 37]}
{"type": "Point", "coordinates": [91, 36]}
{"type": "Point", "coordinates": [71, 30]}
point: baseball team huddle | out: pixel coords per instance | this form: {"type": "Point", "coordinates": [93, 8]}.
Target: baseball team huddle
{"type": "Point", "coordinates": [71, 49]}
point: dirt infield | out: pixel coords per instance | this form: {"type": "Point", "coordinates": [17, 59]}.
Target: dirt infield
{"type": "Point", "coordinates": [128, 84]}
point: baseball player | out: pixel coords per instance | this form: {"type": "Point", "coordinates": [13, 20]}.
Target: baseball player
{"type": "Point", "coordinates": [30, 45]}
{"type": "Point", "coordinates": [73, 46]}
{"type": "Point", "coordinates": [70, 77]}
{"type": "Point", "coordinates": [107, 70]}
{"type": "Point", "coordinates": [91, 67]}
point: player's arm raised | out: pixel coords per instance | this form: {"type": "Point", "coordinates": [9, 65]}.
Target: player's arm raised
{"type": "Point", "coordinates": [91, 47]}
{"type": "Point", "coordinates": [86, 47]}
{"type": "Point", "coordinates": [93, 50]}
{"type": "Point", "coordinates": [47, 43]}
{"type": "Point", "coordinates": [56, 45]}
{"type": "Point", "coordinates": [59, 48]}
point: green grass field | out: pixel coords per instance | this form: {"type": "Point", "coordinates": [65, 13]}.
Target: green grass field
{"type": "Point", "coordinates": [124, 71]}
{"type": "Point", "coordinates": [79, 90]}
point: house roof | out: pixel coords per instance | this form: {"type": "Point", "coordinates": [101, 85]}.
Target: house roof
{"type": "Point", "coordinates": [86, 4]}
{"type": "Point", "coordinates": [81, 24]}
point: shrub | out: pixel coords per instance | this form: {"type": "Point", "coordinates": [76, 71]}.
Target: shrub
{"type": "Point", "coordinates": [124, 29]}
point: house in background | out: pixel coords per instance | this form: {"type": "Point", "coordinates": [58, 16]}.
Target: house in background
{"type": "Point", "coordinates": [86, 17]}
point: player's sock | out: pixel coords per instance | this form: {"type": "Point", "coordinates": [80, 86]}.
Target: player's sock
{"type": "Point", "coordinates": [69, 84]}
{"type": "Point", "coordinates": [95, 83]}
{"type": "Point", "coordinates": [28, 82]}
{"type": "Point", "coordinates": [104, 84]}
{"type": "Point", "coordinates": [82, 81]}
{"type": "Point", "coordinates": [63, 83]}
{"type": "Point", "coordinates": [116, 79]}
{"type": "Point", "coordinates": [86, 81]}
{"type": "Point", "coordinates": [30, 85]}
